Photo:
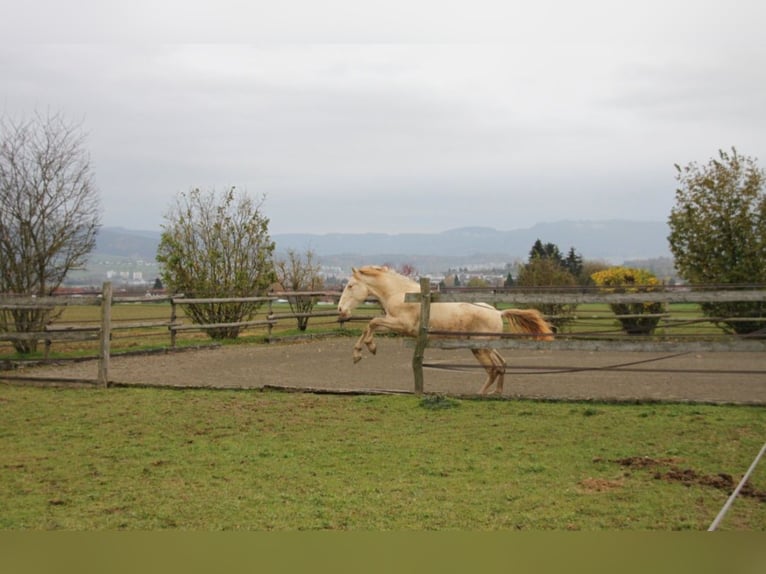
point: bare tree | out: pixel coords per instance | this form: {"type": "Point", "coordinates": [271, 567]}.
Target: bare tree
{"type": "Point", "coordinates": [299, 273]}
{"type": "Point", "coordinates": [49, 212]}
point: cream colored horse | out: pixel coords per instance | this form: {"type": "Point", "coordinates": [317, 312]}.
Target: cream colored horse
{"type": "Point", "coordinates": [389, 288]}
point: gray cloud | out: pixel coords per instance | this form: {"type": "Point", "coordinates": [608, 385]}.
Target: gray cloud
{"type": "Point", "coordinates": [504, 115]}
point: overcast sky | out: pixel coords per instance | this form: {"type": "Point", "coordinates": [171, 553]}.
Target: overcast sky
{"type": "Point", "coordinates": [394, 116]}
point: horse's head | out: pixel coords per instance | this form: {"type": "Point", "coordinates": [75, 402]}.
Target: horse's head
{"type": "Point", "coordinates": [355, 292]}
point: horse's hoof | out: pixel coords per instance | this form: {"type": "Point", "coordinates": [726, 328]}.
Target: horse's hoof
{"type": "Point", "coordinates": [357, 358]}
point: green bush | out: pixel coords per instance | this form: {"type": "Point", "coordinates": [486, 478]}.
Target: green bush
{"type": "Point", "coordinates": [547, 273]}
{"type": "Point", "coordinates": [718, 233]}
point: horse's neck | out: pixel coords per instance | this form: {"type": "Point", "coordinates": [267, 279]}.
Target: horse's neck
{"type": "Point", "coordinates": [390, 290]}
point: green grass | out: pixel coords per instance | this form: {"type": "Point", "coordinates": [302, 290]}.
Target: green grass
{"type": "Point", "coordinates": [164, 459]}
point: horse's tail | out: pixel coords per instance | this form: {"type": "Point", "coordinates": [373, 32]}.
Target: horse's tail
{"type": "Point", "coordinates": [528, 321]}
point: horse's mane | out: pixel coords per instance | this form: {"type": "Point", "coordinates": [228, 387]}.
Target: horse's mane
{"type": "Point", "coordinates": [374, 270]}
{"type": "Point", "coordinates": [381, 270]}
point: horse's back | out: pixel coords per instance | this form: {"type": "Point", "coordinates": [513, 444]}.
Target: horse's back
{"type": "Point", "coordinates": [465, 317]}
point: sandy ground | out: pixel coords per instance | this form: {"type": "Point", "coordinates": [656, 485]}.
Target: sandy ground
{"type": "Point", "coordinates": [327, 365]}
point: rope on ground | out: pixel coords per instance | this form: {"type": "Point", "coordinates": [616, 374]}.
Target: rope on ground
{"type": "Point", "coordinates": [734, 494]}
{"type": "Point", "coordinates": [461, 367]}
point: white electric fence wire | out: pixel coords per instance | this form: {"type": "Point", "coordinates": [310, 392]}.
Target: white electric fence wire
{"type": "Point", "coordinates": [734, 494]}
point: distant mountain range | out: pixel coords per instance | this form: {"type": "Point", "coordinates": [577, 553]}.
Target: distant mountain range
{"type": "Point", "coordinates": [613, 240]}
{"type": "Point", "coordinates": [593, 239]}
{"type": "Point", "coordinates": [127, 243]}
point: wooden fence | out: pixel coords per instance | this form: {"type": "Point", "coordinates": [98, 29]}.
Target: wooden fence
{"type": "Point", "coordinates": [589, 341]}
{"type": "Point", "coordinates": [104, 329]}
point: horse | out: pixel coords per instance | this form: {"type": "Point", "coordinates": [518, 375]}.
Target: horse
{"type": "Point", "coordinates": [389, 288]}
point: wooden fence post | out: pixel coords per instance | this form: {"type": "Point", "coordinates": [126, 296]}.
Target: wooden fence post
{"type": "Point", "coordinates": [106, 335]}
{"type": "Point", "coordinates": [268, 316]}
{"type": "Point", "coordinates": [173, 316]}
{"type": "Point", "coordinates": [422, 339]}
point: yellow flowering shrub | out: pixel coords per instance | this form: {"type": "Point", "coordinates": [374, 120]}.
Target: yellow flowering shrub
{"type": "Point", "coordinates": [628, 280]}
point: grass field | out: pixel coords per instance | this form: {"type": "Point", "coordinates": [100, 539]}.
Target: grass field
{"type": "Point", "coordinates": [162, 459]}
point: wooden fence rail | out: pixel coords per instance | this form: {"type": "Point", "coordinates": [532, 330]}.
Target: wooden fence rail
{"type": "Point", "coordinates": [588, 341]}
{"type": "Point", "coordinates": [103, 329]}
{"type": "Point", "coordinates": [592, 341]}
{"type": "Point", "coordinates": [573, 298]}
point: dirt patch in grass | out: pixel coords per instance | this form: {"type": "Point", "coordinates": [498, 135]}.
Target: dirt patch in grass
{"type": "Point", "coordinates": [690, 477]}
{"type": "Point", "coordinates": [591, 484]}
{"type": "Point", "coordinates": [645, 462]}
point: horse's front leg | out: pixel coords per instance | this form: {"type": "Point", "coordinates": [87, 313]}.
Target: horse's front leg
{"type": "Point", "coordinates": [367, 339]}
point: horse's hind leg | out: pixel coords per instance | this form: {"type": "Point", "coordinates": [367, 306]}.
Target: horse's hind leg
{"type": "Point", "coordinates": [484, 356]}
{"type": "Point", "coordinates": [499, 365]}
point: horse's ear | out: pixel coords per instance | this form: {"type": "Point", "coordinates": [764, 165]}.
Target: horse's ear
{"type": "Point", "coordinates": [354, 271]}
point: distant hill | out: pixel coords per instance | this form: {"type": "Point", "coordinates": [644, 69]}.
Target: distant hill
{"type": "Point", "coordinates": [613, 240]}
{"type": "Point", "coordinates": [128, 243]}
